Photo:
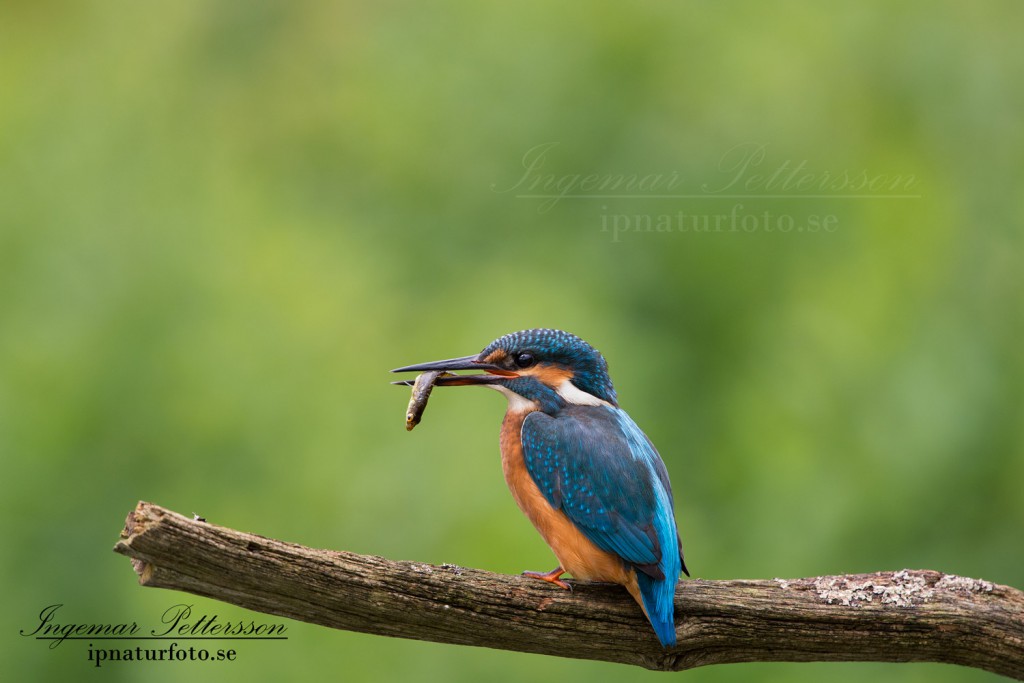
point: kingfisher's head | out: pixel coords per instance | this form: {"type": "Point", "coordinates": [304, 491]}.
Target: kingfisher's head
{"type": "Point", "coordinates": [534, 368]}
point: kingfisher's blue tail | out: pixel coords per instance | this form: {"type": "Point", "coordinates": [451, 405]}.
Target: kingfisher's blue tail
{"type": "Point", "coordinates": [659, 601]}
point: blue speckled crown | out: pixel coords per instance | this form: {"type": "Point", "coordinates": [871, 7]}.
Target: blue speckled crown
{"type": "Point", "coordinates": [590, 370]}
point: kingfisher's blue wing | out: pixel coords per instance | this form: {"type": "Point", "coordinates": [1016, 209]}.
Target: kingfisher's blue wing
{"type": "Point", "coordinates": [594, 464]}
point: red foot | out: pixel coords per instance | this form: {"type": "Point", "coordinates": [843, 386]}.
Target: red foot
{"type": "Point", "coordinates": [550, 577]}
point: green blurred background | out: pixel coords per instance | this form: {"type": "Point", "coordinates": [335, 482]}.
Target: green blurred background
{"type": "Point", "coordinates": [222, 223]}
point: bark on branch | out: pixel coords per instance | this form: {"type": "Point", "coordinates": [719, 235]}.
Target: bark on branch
{"type": "Point", "coordinates": [905, 616]}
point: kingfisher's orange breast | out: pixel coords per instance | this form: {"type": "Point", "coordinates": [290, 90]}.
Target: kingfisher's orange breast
{"type": "Point", "coordinates": [577, 554]}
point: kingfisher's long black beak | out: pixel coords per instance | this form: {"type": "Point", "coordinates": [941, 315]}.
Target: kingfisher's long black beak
{"type": "Point", "coordinates": [491, 373]}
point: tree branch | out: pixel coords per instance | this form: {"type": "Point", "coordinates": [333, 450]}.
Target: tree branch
{"type": "Point", "coordinates": [905, 616]}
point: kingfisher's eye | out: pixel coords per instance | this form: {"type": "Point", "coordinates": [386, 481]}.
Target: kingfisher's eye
{"type": "Point", "coordinates": [525, 359]}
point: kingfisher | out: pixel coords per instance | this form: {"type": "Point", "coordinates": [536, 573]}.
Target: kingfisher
{"type": "Point", "coordinates": [579, 467]}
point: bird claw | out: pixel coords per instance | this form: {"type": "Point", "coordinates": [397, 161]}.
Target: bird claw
{"type": "Point", "coordinates": [551, 577]}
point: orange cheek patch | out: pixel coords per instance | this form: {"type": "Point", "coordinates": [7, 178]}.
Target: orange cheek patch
{"type": "Point", "coordinates": [548, 374]}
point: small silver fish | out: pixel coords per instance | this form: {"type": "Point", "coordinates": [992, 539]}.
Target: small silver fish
{"type": "Point", "coordinates": [420, 395]}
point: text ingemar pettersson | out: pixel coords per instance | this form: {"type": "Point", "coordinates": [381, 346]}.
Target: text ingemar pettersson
{"type": "Point", "coordinates": [180, 633]}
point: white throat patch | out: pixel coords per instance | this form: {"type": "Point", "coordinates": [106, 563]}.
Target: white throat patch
{"type": "Point", "coordinates": [516, 403]}
{"type": "Point", "coordinates": [576, 396]}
